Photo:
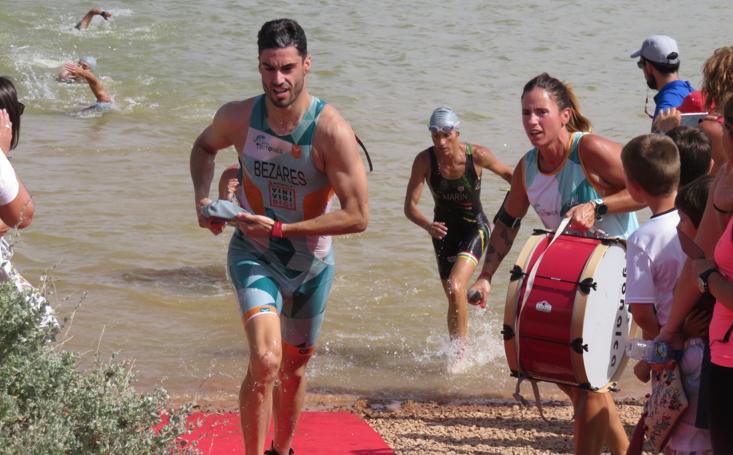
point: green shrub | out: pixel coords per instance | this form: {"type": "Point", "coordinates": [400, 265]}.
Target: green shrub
{"type": "Point", "coordinates": [49, 406]}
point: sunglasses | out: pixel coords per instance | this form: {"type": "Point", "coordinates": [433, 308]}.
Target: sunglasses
{"type": "Point", "coordinates": [641, 63]}
{"type": "Point", "coordinates": [21, 108]}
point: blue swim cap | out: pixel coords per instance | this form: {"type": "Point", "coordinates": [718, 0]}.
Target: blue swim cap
{"type": "Point", "coordinates": [444, 119]}
{"type": "Point", "coordinates": [91, 61]}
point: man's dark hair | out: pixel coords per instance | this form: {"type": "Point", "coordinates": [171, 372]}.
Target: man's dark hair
{"type": "Point", "coordinates": [282, 33]}
{"type": "Point", "coordinates": [665, 68]}
{"type": "Point", "coordinates": [691, 198]}
{"type": "Point", "coordinates": [695, 152]}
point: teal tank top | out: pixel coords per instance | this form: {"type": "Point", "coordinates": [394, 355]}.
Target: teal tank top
{"type": "Point", "coordinates": [551, 195]}
{"type": "Point", "coordinates": [278, 179]}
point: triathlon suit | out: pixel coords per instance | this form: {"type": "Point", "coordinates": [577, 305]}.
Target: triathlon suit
{"type": "Point", "coordinates": [458, 205]}
{"type": "Point", "coordinates": [287, 276]}
{"type": "Point", "coordinates": [551, 195]}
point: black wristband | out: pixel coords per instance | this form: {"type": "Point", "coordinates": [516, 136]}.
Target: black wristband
{"type": "Point", "coordinates": [506, 219]}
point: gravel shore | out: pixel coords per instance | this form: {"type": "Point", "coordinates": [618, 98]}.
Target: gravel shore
{"type": "Point", "coordinates": [470, 426]}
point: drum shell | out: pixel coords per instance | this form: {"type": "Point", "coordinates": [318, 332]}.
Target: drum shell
{"type": "Point", "coordinates": [544, 340]}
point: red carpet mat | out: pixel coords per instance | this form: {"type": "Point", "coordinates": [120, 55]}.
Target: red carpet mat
{"type": "Point", "coordinates": [318, 433]}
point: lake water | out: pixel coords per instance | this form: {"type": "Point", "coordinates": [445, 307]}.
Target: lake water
{"type": "Point", "coordinates": [115, 226]}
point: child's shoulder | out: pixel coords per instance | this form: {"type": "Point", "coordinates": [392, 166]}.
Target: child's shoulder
{"type": "Point", "coordinates": [661, 227]}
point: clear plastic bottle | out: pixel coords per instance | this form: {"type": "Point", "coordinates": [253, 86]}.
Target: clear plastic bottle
{"type": "Point", "coordinates": [649, 350]}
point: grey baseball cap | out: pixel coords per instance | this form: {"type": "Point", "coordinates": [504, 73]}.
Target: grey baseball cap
{"type": "Point", "coordinates": [659, 49]}
{"type": "Point", "coordinates": [444, 119]}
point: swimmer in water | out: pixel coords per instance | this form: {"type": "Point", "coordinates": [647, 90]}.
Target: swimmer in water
{"type": "Point", "coordinates": [83, 71]}
{"type": "Point", "coordinates": [83, 24]}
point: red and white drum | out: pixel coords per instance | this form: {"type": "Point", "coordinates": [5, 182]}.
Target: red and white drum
{"type": "Point", "coordinates": [572, 326]}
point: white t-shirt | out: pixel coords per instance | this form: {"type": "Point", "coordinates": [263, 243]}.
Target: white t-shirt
{"type": "Point", "coordinates": [654, 260]}
{"type": "Point", "coordinates": [8, 180]}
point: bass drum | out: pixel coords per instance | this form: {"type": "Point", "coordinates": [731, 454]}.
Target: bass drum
{"type": "Point", "coordinates": [572, 325]}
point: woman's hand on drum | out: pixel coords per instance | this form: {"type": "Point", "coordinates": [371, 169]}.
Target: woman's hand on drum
{"type": "Point", "coordinates": [437, 229]}
{"type": "Point", "coordinates": [643, 371]}
{"type": "Point", "coordinates": [582, 216]}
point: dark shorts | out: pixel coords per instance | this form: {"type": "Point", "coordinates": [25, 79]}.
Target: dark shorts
{"type": "Point", "coordinates": [466, 240]}
{"type": "Point", "coordinates": [720, 403]}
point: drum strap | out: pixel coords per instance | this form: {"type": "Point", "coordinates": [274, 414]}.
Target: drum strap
{"type": "Point", "coordinates": [527, 289]}
{"type": "Point", "coordinates": [536, 390]}
{"type": "Point", "coordinates": [536, 266]}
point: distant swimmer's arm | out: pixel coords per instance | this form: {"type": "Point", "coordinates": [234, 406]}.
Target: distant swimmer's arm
{"type": "Point", "coordinates": [420, 172]}
{"type": "Point", "coordinates": [83, 24]}
{"type": "Point", "coordinates": [487, 160]}
{"type": "Point", "coordinates": [96, 86]}
{"type": "Point", "coordinates": [337, 154]}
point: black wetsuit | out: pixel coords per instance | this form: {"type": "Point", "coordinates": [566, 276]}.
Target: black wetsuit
{"type": "Point", "coordinates": [458, 205]}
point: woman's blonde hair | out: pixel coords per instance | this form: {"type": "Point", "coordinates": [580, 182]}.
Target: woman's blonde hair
{"type": "Point", "coordinates": [564, 97]}
{"type": "Point", "coordinates": [717, 73]}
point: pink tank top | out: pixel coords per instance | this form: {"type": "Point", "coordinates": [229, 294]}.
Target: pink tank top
{"type": "Point", "coordinates": [721, 326]}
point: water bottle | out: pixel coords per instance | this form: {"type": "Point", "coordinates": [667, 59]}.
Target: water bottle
{"type": "Point", "coordinates": [649, 350]}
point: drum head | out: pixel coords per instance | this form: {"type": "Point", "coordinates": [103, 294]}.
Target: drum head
{"type": "Point", "coordinates": [606, 319]}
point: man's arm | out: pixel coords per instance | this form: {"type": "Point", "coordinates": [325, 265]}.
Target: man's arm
{"type": "Point", "coordinates": [486, 159]}
{"type": "Point", "coordinates": [83, 24]}
{"type": "Point", "coordinates": [215, 137]}
{"type": "Point", "coordinates": [338, 154]}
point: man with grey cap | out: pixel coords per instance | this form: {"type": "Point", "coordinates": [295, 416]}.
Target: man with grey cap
{"type": "Point", "coordinates": [459, 229]}
{"type": "Point", "coordinates": [659, 59]}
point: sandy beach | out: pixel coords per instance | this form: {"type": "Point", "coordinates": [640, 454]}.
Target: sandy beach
{"type": "Point", "coordinates": [477, 426]}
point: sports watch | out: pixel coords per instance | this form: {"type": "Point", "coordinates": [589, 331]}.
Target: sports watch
{"type": "Point", "coordinates": [702, 280]}
{"type": "Point", "coordinates": [600, 207]}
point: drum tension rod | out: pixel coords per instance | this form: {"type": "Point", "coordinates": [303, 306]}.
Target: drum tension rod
{"type": "Point", "coordinates": [586, 285]}
{"type": "Point", "coordinates": [578, 346]}
{"type": "Point", "coordinates": [507, 332]}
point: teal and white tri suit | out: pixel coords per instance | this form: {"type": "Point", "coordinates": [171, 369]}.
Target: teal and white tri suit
{"type": "Point", "coordinates": [289, 276]}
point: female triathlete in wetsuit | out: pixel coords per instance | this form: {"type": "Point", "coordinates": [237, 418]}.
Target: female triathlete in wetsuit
{"type": "Point", "coordinates": [460, 229]}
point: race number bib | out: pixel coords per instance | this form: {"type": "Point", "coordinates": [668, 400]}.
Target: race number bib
{"type": "Point", "coordinates": [282, 197]}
